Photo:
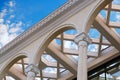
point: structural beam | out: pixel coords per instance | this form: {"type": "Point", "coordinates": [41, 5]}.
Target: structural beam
{"type": "Point", "coordinates": [100, 25]}
{"type": "Point", "coordinates": [75, 52]}
{"type": "Point", "coordinates": [66, 75]}
{"type": "Point", "coordinates": [13, 75]}
{"type": "Point", "coordinates": [50, 64]}
{"type": "Point", "coordinates": [15, 70]}
{"type": "Point", "coordinates": [114, 7]}
{"type": "Point", "coordinates": [114, 24]}
{"type": "Point", "coordinates": [109, 54]}
{"type": "Point", "coordinates": [94, 40]}
{"type": "Point", "coordinates": [62, 58]}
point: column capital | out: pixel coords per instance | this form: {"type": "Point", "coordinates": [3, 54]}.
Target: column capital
{"type": "Point", "coordinates": [82, 39]}
{"type": "Point", "coordinates": [31, 69]}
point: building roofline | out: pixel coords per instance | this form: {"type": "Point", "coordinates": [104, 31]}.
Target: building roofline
{"type": "Point", "coordinates": [63, 9]}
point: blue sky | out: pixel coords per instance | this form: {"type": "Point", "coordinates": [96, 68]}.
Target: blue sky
{"type": "Point", "coordinates": [116, 2]}
{"type": "Point", "coordinates": [16, 16]}
{"type": "Point", "coordinates": [114, 15]}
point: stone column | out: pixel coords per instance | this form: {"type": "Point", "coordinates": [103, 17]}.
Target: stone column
{"type": "Point", "coordinates": [31, 71]}
{"type": "Point", "coordinates": [82, 40]}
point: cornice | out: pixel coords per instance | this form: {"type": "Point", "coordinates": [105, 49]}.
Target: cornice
{"type": "Point", "coordinates": [35, 27]}
{"type": "Point", "coordinates": [60, 15]}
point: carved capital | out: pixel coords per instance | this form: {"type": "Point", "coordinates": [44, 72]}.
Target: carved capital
{"type": "Point", "coordinates": [31, 70]}
{"type": "Point", "coordinates": [82, 39]}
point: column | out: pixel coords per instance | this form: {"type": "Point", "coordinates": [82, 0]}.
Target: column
{"type": "Point", "coordinates": [82, 40]}
{"type": "Point", "coordinates": [31, 71]}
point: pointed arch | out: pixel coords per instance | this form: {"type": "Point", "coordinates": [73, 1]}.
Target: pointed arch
{"type": "Point", "coordinates": [10, 62]}
{"type": "Point", "coordinates": [52, 34]}
{"type": "Point", "coordinates": [94, 12]}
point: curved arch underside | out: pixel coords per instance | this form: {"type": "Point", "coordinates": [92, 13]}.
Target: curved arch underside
{"type": "Point", "coordinates": [54, 37]}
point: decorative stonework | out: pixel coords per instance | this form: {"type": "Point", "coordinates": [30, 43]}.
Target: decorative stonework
{"type": "Point", "coordinates": [38, 25]}
{"type": "Point", "coordinates": [84, 38]}
{"type": "Point", "coordinates": [31, 70]}
{"type": "Point", "coordinates": [35, 29]}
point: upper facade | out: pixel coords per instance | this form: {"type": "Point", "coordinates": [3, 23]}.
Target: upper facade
{"type": "Point", "coordinates": [49, 45]}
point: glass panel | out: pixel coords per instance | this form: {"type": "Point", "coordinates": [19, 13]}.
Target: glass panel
{"type": "Point", "coordinates": [50, 70]}
{"type": "Point", "coordinates": [70, 45]}
{"type": "Point", "coordinates": [116, 2]}
{"type": "Point", "coordinates": [9, 78]}
{"type": "Point", "coordinates": [109, 72]}
{"type": "Point", "coordinates": [62, 70]}
{"type": "Point", "coordinates": [115, 16]}
{"type": "Point", "coordinates": [37, 79]}
{"type": "Point", "coordinates": [75, 57]}
{"type": "Point", "coordinates": [45, 78]}
{"type": "Point", "coordinates": [58, 41]}
{"type": "Point", "coordinates": [103, 47]}
{"type": "Point", "coordinates": [49, 58]}
{"type": "Point", "coordinates": [103, 13]}
{"type": "Point", "coordinates": [118, 30]}
{"type": "Point", "coordinates": [93, 33]}
{"type": "Point", "coordinates": [71, 32]}
{"type": "Point", "coordinates": [93, 47]}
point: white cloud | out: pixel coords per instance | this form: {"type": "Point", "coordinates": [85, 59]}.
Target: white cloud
{"type": "Point", "coordinates": [19, 24]}
{"type": "Point", "coordinates": [8, 21]}
{"type": "Point", "coordinates": [7, 34]}
{"type": "Point", "coordinates": [115, 1]}
{"type": "Point", "coordinates": [49, 58]}
{"type": "Point", "coordinates": [11, 4]}
{"type": "Point", "coordinates": [14, 30]}
{"type": "Point", "coordinates": [3, 13]}
{"type": "Point", "coordinates": [12, 16]}
{"type": "Point", "coordinates": [9, 30]}
{"type": "Point", "coordinates": [5, 37]}
{"type": "Point", "coordinates": [50, 70]}
{"type": "Point", "coordinates": [3, 34]}
{"type": "Point", "coordinates": [1, 20]}
{"type": "Point", "coordinates": [12, 36]}
{"type": "Point", "coordinates": [12, 25]}
{"type": "Point", "coordinates": [70, 45]}
{"type": "Point", "coordinates": [16, 27]}
{"type": "Point", "coordinates": [118, 16]}
{"type": "Point", "coordinates": [93, 47]}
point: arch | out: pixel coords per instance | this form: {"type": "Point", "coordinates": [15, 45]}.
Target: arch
{"type": "Point", "coordinates": [10, 63]}
{"type": "Point", "coordinates": [94, 12]}
{"type": "Point", "coordinates": [52, 34]}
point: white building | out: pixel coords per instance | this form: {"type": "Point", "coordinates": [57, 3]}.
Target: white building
{"type": "Point", "coordinates": [75, 41]}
